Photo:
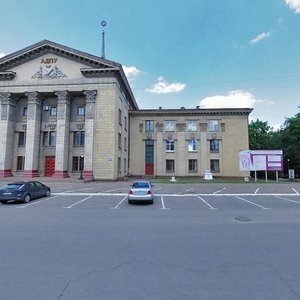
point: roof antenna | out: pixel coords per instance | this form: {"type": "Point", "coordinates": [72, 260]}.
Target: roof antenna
{"type": "Point", "coordinates": [103, 24]}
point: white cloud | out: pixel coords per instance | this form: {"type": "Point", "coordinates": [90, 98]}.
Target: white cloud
{"type": "Point", "coordinates": [260, 37]}
{"type": "Point", "coordinates": [2, 54]}
{"type": "Point", "coordinates": [235, 99]}
{"type": "Point", "coordinates": [132, 72]}
{"type": "Point", "coordinates": [294, 5]}
{"type": "Point", "coordinates": [163, 87]}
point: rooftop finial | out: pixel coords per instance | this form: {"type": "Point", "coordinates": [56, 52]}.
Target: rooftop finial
{"type": "Point", "coordinates": [103, 24]}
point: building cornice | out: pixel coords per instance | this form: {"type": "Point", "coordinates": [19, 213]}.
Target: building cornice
{"type": "Point", "coordinates": [192, 112]}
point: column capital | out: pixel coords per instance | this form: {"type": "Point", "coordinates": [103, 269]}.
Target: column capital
{"type": "Point", "coordinates": [63, 97]}
{"type": "Point", "coordinates": [7, 99]}
{"type": "Point", "coordinates": [34, 98]}
{"type": "Point", "coordinates": [90, 95]}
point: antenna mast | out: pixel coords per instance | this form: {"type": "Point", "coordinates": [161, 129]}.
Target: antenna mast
{"type": "Point", "coordinates": [103, 24]}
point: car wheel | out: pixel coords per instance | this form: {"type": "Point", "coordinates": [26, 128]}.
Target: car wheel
{"type": "Point", "coordinates": [27, 198]}
{"type": "Point", "coordinates": [150, 201]}
{"type": "Point", "coordinates": [3, 202]}
{"type": "Point", "coordinates": [130, 202]}
{"type": "Point", "coordinates": [48, 193]}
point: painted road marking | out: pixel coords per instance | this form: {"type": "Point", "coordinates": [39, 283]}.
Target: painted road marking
{"type": "Point", "coordinates": [287, 199]}
{"type": "Point", "coordinates": [256, 191]}
{"type": "Point", "coordinates": [79, 202]}
{"type": "Point", "coordinates": [117, 206]}
{"type": "Point", "coordinates": [219, 191]}
{"type": "Point", "coordinates": [210, 207]}
{"type": "Point", "coordinates": [252, 203]}
{"type": "Point", "coordinates": [295, 191]}
{"type": "Point", "coordinates": [36, 202]}
{"type": "Point", "coordinates": [163, 203]}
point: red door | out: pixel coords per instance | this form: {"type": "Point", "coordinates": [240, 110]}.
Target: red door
{"type": "Point", "coordinates": [49, 165]}
{"type": "Point", "coordinates": [149, 169]}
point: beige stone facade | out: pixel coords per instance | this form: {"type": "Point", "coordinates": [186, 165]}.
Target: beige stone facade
{"type": "Point", "coordinates": [188, 142]}
{"type": "Point", "coordinates": [68, 113]}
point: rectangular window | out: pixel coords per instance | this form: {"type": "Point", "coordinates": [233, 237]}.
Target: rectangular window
{"type": "Point", "coordinates": [53, 111]}
{"type": "Point", "coordinates": [24, 114]}
{"type": "Point", "coordinates": [52, 138]}
{"type": "Point", "coordinates": [192, 126]}
{"type": "Point", "coordinates": [192, 145]}
{"type": "Point", "coordinates": [214, 166]}
{"type": "Point", "coordinates": [170, 165]}
{"type": "Point", "coordinates": [20, 163]}
{"type": "Point", "coordinates": [149, 126]}
{"type": "Point", "coordinates": [213, 126]}
{"type": "Point", "coordinates": [119, 165]}
{"type": "Point", "coordinates": [193, 165]}
{"type": "Point", "coordinates": [80, 111]}
{"type": "Point", "coordinates": [149, 151]}
{"type": "Point", "coordinates": [170, 145]}
{"type": "Point", "coordinates": [119, 140]}
{"type": "Point", "coordinates": [125, 144]}
{"type": "Point", "coordinates": [77, 163]}
{"type": "Point", "coordinates": [78, 138]}
{"type": "Point", "coordinates": [125, 123]}
{"type": "Point", "coordinates": [49, 138]}
{"type": "Point", "coordinates": [214, 146]}
{"type": "Point", "coordinates": [120, 117]}
{"type": "Point", "coordinates": [22, 139]}
{"type": "Point", "coordinates": [170, 126]}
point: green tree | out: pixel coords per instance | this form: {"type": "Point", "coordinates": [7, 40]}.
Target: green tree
{"type": "Point", "coordinates": [260, 135]}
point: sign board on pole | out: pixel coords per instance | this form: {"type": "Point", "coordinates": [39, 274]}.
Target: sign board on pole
{"type": "Point", "coordinates": [261, 160]}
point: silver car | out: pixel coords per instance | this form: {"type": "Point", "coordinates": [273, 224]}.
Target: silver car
{"type": "Point", "coordinates": [141, 191]}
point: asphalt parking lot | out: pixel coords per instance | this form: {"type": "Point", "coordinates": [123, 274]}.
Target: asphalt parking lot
{"type": "Point", "coordinates": [197, 241]}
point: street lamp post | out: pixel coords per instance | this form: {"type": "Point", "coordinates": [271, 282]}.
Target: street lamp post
{"type": "Point", "coordinates": [81, 167]}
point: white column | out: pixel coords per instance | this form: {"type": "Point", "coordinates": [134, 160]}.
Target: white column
{"type": "Point", "coordinates": [32, 153]}
{"type": "Point", "coordinates": [89, 134]}
{"type": "Point", "coordinates": [62, 134]}
{"type": "Point", "coordinates": [7, 128]}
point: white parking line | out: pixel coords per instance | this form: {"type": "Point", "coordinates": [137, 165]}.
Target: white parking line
{"type": "Point", "coordinates": [287, 199]}
{"type": "Point", "coordinates": [219, 191]}
{"type": "Point", "coordinates": [117, 206]}
{"type": "Point", "coordinates": [79, 202]}
{"type": "Point", "coordinates": [36, 202]}
{"type": "Point", "coordinates": [252, 203]}
{"type": "Point", "coordinates": [256, 191]}
{"type": "Point", "coordinates": [163, 203]}
{"type": "Point", "coordinates": [189, 189]}
{"type": "Point", "coordinates": [210, 207]}
{"type": "Point", "coordinates": [295, 191]}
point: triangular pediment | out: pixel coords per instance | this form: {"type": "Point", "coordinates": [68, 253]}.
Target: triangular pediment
{"type": "Point", "coordinates": [47, 47]}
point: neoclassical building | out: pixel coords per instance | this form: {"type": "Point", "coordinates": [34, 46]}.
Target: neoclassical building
{"type": "Point", "coordinates": [66, 112]}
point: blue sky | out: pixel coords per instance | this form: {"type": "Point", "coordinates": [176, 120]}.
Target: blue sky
{"type": "Point", "coordinates": [212, 53]}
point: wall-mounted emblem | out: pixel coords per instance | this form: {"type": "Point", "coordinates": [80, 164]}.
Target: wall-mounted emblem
{"type": "Point", "coordinates": [49, 72]}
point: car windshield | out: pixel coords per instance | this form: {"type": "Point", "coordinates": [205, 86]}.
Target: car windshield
{"type": "Point", "coordinates": [141, 185]}
{"type": "Point", "coordinates": [13, 186]}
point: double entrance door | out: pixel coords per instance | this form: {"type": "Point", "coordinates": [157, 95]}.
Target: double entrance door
{"type": "Point", "coordinates": [49, 165]}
